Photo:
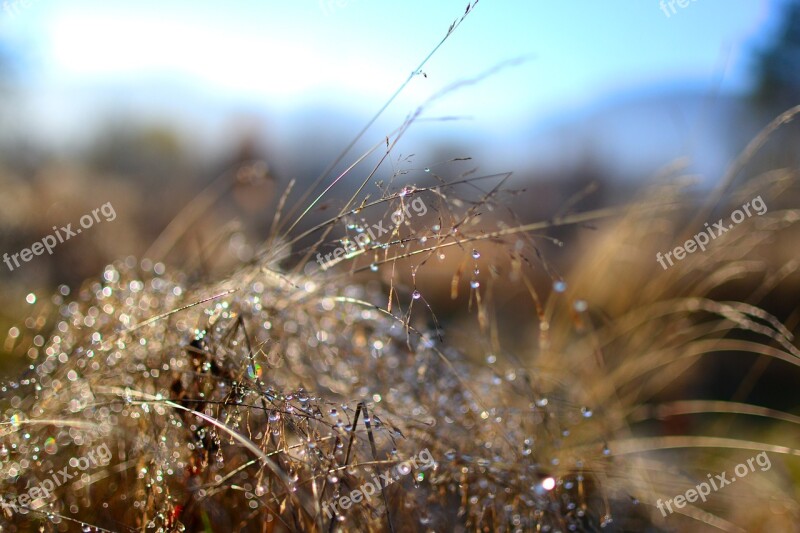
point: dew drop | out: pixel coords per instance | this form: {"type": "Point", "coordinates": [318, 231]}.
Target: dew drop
{"type": "Point", "coordinates": [416, 295]}
{"type": "Point", "coordinates": [559, 286]}
{"type": "Point", "coordinates": [474, 284]}
{"type": "Point", "coordinates": [374, 267]}
{"type": "Point", "coordinates": [476, 254]}
{"type": "Point", "coordinates": [50, 446]}
{"type": "Point", "coordinates": [254, 371]}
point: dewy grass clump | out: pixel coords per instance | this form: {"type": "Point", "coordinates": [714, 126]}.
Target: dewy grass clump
{"type": "Point", "coordinates": [263, 398]}
{"type": "Point", "coordinates": [272, 398]}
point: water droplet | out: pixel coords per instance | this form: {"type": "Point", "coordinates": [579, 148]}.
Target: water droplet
{"type": "Point", "coordinates": [416, 295]}
{"type": "Point", "coordinates": [587, 413]}
{"type": "Point", "coordinates": [50, 446]}
{"type": "Point", "coordinates": [474, 284]}
{"type": "Point", "coordinates": [30, 298]}
{"type": "Point", "coordinates": [580, 306]}
{"type": "Point", "coordinates": [476, 254]}
{"type": "Point", "coordinates": [274, 416]}
{"type": "Point", "coordinates": [559, 286]}
{"type": "Point", "coordinates": [254, 371]}
{"type": "Point", "coordinates": [374, 267]}
{"type": "Point", "coordinates": [427, 169]}
{"type": "Point", "coordinates": [491, 359]}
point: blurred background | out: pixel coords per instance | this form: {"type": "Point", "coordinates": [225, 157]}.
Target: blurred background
{"type": "Point", "coordinates": [146, 106]}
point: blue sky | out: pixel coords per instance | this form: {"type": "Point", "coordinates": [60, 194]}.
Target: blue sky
{"type": "Point", "coordinates": [281, 56]}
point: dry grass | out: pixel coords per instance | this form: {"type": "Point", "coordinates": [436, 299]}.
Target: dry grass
{"type": "Point", "coordinates": [250, 402]}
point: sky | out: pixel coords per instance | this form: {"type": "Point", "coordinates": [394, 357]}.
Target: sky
{"type": "Point", "coordinates": [181, 58]}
